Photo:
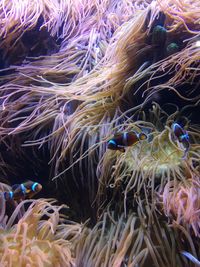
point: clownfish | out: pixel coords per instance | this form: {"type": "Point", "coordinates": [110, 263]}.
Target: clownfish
{"type": "Point", "coordinates": [122, 140]}
{"type": "Point", "coordinates": [22, 191]}
{"type": "Point", "coordinates": [182, 136]}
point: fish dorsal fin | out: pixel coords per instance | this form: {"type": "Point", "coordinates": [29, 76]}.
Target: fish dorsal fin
{"type": "Point", "coordinates": [117, 134]}
{"type": "Point", "coordinates": [28, 191]}
{"type": "Point", "coordinates": [15, 186]}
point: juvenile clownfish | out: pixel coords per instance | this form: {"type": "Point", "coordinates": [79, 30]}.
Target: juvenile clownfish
{"type": "Point", "coordinates": [22, 191]}
{"type": "Point", "coordinates": [182, 136]}
{"type": "Point", "coordinates": [122, 140]}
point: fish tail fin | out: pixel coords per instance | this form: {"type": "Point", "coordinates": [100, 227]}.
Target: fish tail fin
{"type": "Point", "coordinates": [142, 136]}
{"type": "Point", "coordinates": [122, 149]}
{"type": "Point", "coordinates": [8, 195]}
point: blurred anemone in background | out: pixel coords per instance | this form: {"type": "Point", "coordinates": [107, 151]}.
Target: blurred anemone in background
{"type": "Point", "coordinates": [184, 203]}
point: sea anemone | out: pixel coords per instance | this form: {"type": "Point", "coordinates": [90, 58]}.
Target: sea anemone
{"type": "Point", "coordinates": [131, 241]}
{"type": "Point", "coordinates": [86, 70]}
{"type": "Point", "coordinates": [182, 202]}
{"type": "Point", "coordinates": [125, 68]}
{"type": "Point", "coordinates": [144, 169]}
{"type": "Point", "coordinates": [34, 240]}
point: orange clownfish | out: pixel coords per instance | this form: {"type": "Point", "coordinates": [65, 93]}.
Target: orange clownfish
{"type": "Point", "coordinates": [122, 140]}
{"type": "Point", "coordinates": [182, 136]}
{"type": "Point", "coordinates": [22, 191]}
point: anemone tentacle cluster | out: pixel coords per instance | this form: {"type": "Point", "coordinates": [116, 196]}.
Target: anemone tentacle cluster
{"type": "Point", "coordinates": [74, 74]}
{"type": "Point", "coordinates": [35, 239]}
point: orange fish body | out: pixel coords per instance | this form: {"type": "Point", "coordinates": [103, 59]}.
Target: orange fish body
{"type": "Point", "coordinates": [182, 136]}
{"type": "Point", "coordinates": [178, 131]}
{"type": "Point", "coordinates": [122, 140]}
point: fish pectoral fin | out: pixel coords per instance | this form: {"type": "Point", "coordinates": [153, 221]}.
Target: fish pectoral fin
{"type": "Point", "coordinates": [117, 134]}
{"type": "Point", "coordinates": [31, 195]}
{"type": "Point", "coordinates": [121, 148]}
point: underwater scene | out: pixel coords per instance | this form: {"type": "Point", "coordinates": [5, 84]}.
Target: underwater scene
{"type": "Point", "coordinates": [100, 133]}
